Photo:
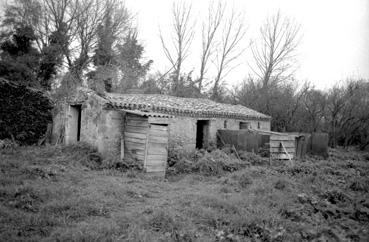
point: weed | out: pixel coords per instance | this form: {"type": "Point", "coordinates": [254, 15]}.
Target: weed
{"type": "Point", "coordinates": [253, 159]}
{"type": "Point", "coordinates": [24, 198]}
{"type": "Point", "coordinates": [213, 163]}
{"type": "Point", "coordinates": [164, 222]}
{"type": "Point", "coordinates": [225, 190]}
{"type": "Point", "coordinates": [281, 184]}
{"type": "Point", "coordinates": [360, 185]}
{"type": "Point", "coordinates": [244, 181]}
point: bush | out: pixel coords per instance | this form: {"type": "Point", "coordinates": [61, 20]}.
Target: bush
{"type": "Point", "coordinates": [24, 113]}
{"type": "Point", "coordinates": [126, 164]}
{"type": "Point", "coordinates": [206, 163]}
{"type": "Point", "coordinates": [253, 159]}
{"type": "Point", "coordinates": [8, 144]}
{"type": "Point", "coordinates": [84, 154]}
{"type": "Point", "coordinates": [182, 166]}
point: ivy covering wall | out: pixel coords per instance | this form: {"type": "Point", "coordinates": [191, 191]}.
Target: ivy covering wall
{"type": "Point", "coordinates": [24, 113]}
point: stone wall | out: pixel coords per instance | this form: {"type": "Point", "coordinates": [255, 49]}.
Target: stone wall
{"type": "Point", "coordinates": [109, 133]}
{"type": "Point", "coordinates": [183, 129]}
{"type": "Point", "coordinates": [58, 130]}
{"type": "Point", "coordinates": [90, 121]}
{"type": "Point", "coordinates": [71, 125]}
{"type": "Point", "coordinates": [103, 128]}
{"type": "Point", "coordinates": [100, 128]}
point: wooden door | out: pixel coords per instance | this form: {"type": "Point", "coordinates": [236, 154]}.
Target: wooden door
{"type": "Point", "coordinates": [135, 138]}
{"type": "Point", "coordinates": [157, 148]}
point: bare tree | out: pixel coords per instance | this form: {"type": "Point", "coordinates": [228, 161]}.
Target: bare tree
{"type": "Point", "coordinates": [353, 122]}
{"type": "Point", "coordinates": [274, 54]}
{"type": "Point", "coordinates": [181, 39]}
{"type": "Point", "coordinates": [336, 101]}
{"type": "Point", "coordinates": [209, 29]}
{"type": "Point", "coordinates": [229, 48]}
{"type": "Point", "coordinates": [314, 103]}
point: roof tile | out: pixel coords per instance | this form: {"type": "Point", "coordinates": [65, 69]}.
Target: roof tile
{"type": "Point", "coordinates": [181, 106]}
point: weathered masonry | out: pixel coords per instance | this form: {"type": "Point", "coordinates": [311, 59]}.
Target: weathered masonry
{"type": "Point", "coordinates": [142, 125]}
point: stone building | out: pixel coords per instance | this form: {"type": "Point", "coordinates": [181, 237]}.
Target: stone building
{"type": "Point", "coordinates": [100, 120]}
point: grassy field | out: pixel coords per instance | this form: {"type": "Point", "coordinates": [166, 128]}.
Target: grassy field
{"type": "Point", "coordinates": [55, 194]}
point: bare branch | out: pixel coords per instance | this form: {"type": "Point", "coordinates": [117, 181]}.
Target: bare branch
{"type": "Point", "coordinates": [274, 54]}
{"type": "Point", "coordinates": [229, 49]}
{"type": "Point", "coordinates": [182, 36]}
{"type": "Point", "coordinates": [209, 30]}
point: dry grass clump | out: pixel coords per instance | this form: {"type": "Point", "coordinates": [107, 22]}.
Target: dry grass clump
{"type": "Point", "coordinates": [360, 185]}
{"type": "Point", "coordinates": [281, 184]}
{"type": "Point", "coordinates": [244, 181]}
{"type": "Point", "coordinates": [253, 158]}
{"type": "Point", "coordinates": [213, 163]}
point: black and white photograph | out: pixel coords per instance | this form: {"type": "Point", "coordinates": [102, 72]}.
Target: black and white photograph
{"type": "Point", "coordinates": [184, 120]}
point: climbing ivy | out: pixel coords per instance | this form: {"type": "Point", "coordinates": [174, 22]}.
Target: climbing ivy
{"type": "Point", "coordinates": [24, 113]}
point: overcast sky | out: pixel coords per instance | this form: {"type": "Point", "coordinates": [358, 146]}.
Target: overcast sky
{"type": "Point", "coordinates": [335, 42]}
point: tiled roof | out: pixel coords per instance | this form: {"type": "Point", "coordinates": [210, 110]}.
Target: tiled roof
{"type": "Point", "coordinates": [178, 106]}
{"type": "Point", "coordinates": [148, 114]}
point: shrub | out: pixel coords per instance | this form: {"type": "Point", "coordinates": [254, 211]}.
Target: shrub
{"type": "Point", "coordinates": [175, 153]}
{"type": "Point", "coordinates": [253, 159]}
{"type": "Point", "coordinates": [182, 166]}
{"type": "Point", "coordinates": [206, 163]}
{"type": "Point", "coordinates": [24, 113]}
{"type": "Point", "coordinates": [8, 144]}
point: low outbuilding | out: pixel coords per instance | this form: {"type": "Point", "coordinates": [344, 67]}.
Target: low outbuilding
{"type": "Point", "coordinates": [141, 126]}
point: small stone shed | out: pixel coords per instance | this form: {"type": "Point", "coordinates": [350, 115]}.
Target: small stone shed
{"type": "Point", "coordinates": [107, 121]}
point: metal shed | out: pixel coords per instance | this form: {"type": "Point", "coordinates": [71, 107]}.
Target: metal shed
{"type": "Point", "coordinates": [145, 139]}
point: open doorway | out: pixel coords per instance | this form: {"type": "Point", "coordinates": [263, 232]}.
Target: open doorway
{"type": "Point", "coordinates": [75, 123]}
{"type": "Point", "coordinates": [245, 125]}
{"type": "Point", "coordinates": [202, 134]}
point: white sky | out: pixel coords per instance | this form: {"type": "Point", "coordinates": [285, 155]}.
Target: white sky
{"type": "Point", "coordinates": [335, 42]}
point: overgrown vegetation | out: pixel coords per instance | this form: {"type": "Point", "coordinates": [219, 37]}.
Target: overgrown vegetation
{"type": "Point", "coordinates": [67, 193]}
{"type": "Point", "coordinates": [210, 163]}
{"type": "Point", "coordinates": [24, 113]}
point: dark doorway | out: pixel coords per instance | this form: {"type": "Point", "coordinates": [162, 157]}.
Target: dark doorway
{"type": "Point", "coordinates": [244, 125]}
{"type": "Point", "coordinates": [76, 116]}
{"type": "Point", "coordinates": [202, 133]}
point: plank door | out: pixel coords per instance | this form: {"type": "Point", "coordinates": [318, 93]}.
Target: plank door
{"type": "Point", "coordinates": [276, 149]}
{"type": "Point", "coordinates": [135, 138]}
{"type": "Point", "coordinates": [157, 148]}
